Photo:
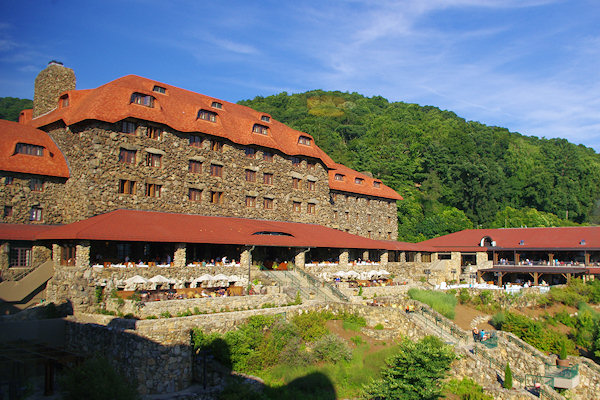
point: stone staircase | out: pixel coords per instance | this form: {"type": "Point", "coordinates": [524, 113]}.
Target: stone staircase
{"type": "Point", "coordinates": [20, 292]}
{"type": "Point", "coordinates": [293, 282]}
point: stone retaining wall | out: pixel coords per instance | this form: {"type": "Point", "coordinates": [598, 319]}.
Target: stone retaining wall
{"type": "Point", "coordinates": [200, 306]}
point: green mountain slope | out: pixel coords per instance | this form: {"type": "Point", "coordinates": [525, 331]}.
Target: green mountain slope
{"type": "Point", "coordinates": [10, 107]}
{"type": "Point", "coordinates": [453, 173]}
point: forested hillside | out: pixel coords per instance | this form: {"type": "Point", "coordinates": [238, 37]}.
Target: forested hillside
{"type": "Point", "coordinates": [454, 174]}
{"type": "Point", "coordinates": [10, 107]}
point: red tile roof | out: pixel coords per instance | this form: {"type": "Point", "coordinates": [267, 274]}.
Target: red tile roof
{"type": "Point", "coordinates": [178, 108]}
{"type": "Point", "coordinates": [367, 186]}
{"type": "Point", "coordinates": [51, 163]}
{"type": "Point", "coordinates": [22, 231]}
{"type": "Point", "coordinates": [149, 226]}
{"type": "Point", "coordinates": [533, 238]}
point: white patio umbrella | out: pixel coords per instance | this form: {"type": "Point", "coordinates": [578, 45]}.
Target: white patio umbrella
{"type": "Point", "coordinates": [373, 273]}
{"type": "Point", "coordinates": [341, 274]}
{"type": "Point", "coordinates": [205, 278]}
{"type": "Point", "coordinates": [220, 277]}
{"type": "Point", "coordinates": [351, 274]}
{"type": "Point", "coordinates": [159, 279]}
{"type": "Point", "coordinates": [234, 278]}
{"type": "Point", "coordinates": [383, 272]}
{"type": "Point", "coordinates": [136, 279]}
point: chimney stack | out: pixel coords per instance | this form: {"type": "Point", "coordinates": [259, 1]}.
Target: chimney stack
{"type": "Point", "coordinates": [49, 84]}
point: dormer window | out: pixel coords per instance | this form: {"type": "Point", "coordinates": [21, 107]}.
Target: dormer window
{"type": "Point", "coordinates": [29, 149]}
{"type": "Point", "coordinates": [142, 99]}
{"type": "Point", "coordinates": [216, 104]}
{"type": "Point", "coordinates": [522, 243]}
{"type": "Point", "coordinates": [376, 184]}
{"type": "Point", "coordinates": [358, 181]}
{"type": "Point", "coordinates": [263, 130]}
{"type": "Point", "coordinates": [265, 118]}
{"type": "Point", "coordinates": [207, 115]}
{"type": "Point", "coordinates": [305, 140]}
{"type": "Point", "coordinates": [339, 177]}
{"type": "Point", "coordinates": [582, 242]}
{"type": "Point", "coordinates": [159, 89]}
{"type": "Point", "coordinates": [63, 101]}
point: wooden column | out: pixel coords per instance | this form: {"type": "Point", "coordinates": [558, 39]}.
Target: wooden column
{"type": "Point", "coordinates": [495, 256]}
{"type": "Point", "coordinates": [478, 276]}
{"type": "Point", "coordinates": [550, 258]}
{"type": "Point", "coordinates": [535, 276]}
{"type": "Point", "coordinates": [500, 276]}
{"type": "Point", "coordinates": [586, 256]}
{"type": "Point", "coordinates": [517, 258]}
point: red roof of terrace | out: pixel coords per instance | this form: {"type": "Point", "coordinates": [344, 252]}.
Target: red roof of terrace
{"type": "Point", "coordinates": [178, 108]}
{"type": "Point", "coordinates": [565, 238]}
{"type": "Point", "coordinates": [51, 163]}
{"type": "Point", "coordinates": [22, 231]}
{"type": "Point", "coordinates": [150, 226]}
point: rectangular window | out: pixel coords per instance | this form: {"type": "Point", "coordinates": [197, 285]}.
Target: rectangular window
{"type": "Point", "coordinates": [333, 197]}
{"type": "Point", "coordinates": [127, 156]}
{"type": "Point", "coordinates": [250, 152]}
{"type": "Point", "coordinates": [335, 215]}
{"type": "Point", "coordinates": [265, 118]}
{"type": "Point", "coordinates": [195, 167]}
{"type": "Point", "coordinates": [153, 190]}
{"type": "Point", "coordinates": [296, 183]}
{"type": "Point", "coordinates": [35, 214]}
{"type": "Point", "coordinates": [195, 141]}
{"type": "Point", "coordinates": [215, 145]}
{"type": "Point", "coordinates": [142, 99]}
{"type": "Point", "coordinates": [305, 140]}
{"type": "Point", "coordinates": [216, 170]}
{"type": "Point", "coordinates": [63, 101]}
{"type": "Point", "coordinates": [376, 184]}
{"type": "Point", "coordinates": [36, 185]}
{"type": "Point", "coordinates": [389, 220]}
{"type": "Point", "coordinates": [195, 194]}
{"type": "Point", "coordinates": [311, 165]}
{"type": "Point", "coordinates": [358, 181]}
{"type": "Point", "coordinates": [216, 197]}
{"type": "Point", "coordinates": [267, 156]}
{"type": "Point", "coordinates": [389, 236]}
{"type": "Point", "coordinates": [9, 180]}
{"type": "Point", "coordinates": [311, 208]}
{"type": "Point", "coordinates": [347, 216]}
{"type": "Point", "coordinates": [126, 187]}
{"type": "Point", "coordinates": [67, 254]}
{"type": "Point", "coordinates": [207, 115]}
{"type": "Point", "coordinates": [159, 89]}
{"type": "Point", "coordinates": [267, 203]}
{"type": "Point", "coordinates": [250, 176]}
{"type": "Point", "coordinates": [153, 160]}
{"type": "Point", "coordinates": [368, 217]}
{"type": "Point", "coordinates": [296, 161]}
{"type": "Point", "coordinates": [261, 129]}
{"type": "Point", "coordinates": [8, 211]}
{"type": "Point", "coordinates": [297, 206]}
{"type": "Point", "coordinates": [311, 185]}
{"type": "Point", "coordinates": [154, 132]}
{"type": "Point", "coordinates": [338, 177]}
{"type": "Point", "coordinates": [216, 104]}
{"type": "Point", "coordinates": [29, 149]}
{"type": "Point", "coordinates": [250, 201]}
{"type": "Point", "coordinates": [20, 257]}
{"type": "Point", "coordinates": [268, 179]}
{"type": "Point", "coordinates": [128, 127]}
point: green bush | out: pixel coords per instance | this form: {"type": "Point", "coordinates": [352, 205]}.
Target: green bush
{"type": "Point", "coordinates": [96, 379]}
{"type": "Point", "coordinates": [351, 322]}
{"type": "Point", "coordinates": [357, 340]}
{"type": "Point", "coordinates": [464, 297]}
{"type": "Point", "coordinates": [508, 380]}
{"type": "Point", "coordinates": [378, 327]}
{"type": "Point", "coordinates": [311, 325]}
{"type": "Point", "coordinates": [99, 294]}
{"type": "Point", "coordinates": [151, 317]}
{"type": "Point", "coordinates": [441, 302]}
{"type": "Point", "coordinates": [466, 389]}
{"type": "Point", "coordinates": [165, 314]}
{"type": "Point", "coordinates": [498, 320]}
{"type": "Point", "coordinates": [535, 333]}
{"type": "Point", "coordinates": [331, 348]}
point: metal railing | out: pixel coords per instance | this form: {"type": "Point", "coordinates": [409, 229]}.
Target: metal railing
{"type": "Point", "coordinates": [315, 282]}
{"type": "Point", "coordinates": [290, 280]}
{"type": "Point", "coordinates": [495, 363]}
{"type": "Point", "coordinates": [443, 322]}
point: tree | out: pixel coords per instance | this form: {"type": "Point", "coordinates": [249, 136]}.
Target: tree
{"type": "Point", "coordinates": [508, 382]}
{"type": "Point", "coordinates": [10, 107]}
{"type": "Point", "coordinates": [415, 373]}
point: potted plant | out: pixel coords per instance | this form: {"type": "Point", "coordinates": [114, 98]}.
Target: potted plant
{"type": "Point", "coordinates": [562, 361]}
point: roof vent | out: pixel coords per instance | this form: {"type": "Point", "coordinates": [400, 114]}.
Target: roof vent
{"type": "Point", "coordinates": [521, 243]}
{"type": "Point", "coordinates": [54, 62]}
{"type": "Point", "coordinates": [582, 242]}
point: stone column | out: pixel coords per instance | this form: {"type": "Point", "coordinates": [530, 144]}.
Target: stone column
{"type": "Point", "coordinates": [4, 256]}
{"type": "Point", "coordinates": [56, 253]}
{"type": "Point", "coordinates": [383, 258]}
{"type": "Point", "coordinates": [481, 257]}
{"type": "Point", "coordinates": [402, 257]}
{"type": "Point", "coordinates": [344, 254]}
{"type": "Point", "coordinates": [434, 257]}
{"type": "Point", "coordinates": [418, 257]}
{"type": "Point", "coordinates": [82, 254]}
{"type": "Point", "coordinates": [40, 254]}
{"type": "Point", "coordinates": [246, 257]}
{"type": "Point", "coordinates": [180, 256]}
{"type": "Point", "coordinates": [365, 255]}
{"type": "Point", "coordinates": [300, 257]}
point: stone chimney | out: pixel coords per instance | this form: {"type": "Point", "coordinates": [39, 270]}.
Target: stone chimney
{"type": "Point", "coordinates": [49, 84]}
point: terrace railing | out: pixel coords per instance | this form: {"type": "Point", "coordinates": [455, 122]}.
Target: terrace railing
{"type": "Point", "coordinates": [316, 283]}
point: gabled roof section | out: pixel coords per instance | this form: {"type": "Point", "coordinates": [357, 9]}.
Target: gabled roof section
{"type": "Point", "coordinates": [367, 187]}
{"type": "Point", "coordinates": [51, 163]}
{"type": "Point", "coordinates": [178, 108]}
{"type": "Point", "coordinates": [571, 238]}
{"type": "Point", "coordinates": [27, 232]}
{"type": "Point", "coordinates": [150, 226]}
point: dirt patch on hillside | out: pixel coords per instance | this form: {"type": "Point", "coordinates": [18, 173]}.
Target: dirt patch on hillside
{"type": "Point", "coordinates": [465, 314]}
{"type": "Point", "coordinates": [337, 328]}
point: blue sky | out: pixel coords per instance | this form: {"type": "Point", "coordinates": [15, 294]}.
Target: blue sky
{"type": "Point", "coordinates": [532, 66]}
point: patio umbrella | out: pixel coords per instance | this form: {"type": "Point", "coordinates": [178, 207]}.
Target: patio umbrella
{"type": "Point", "coordinates": [383, 272]}
{"type": "Point", "coordinates": [234, 278]}
{"type": "Point", "coordinates": [352, 274]}
{"type": "Point", "coordinates": [159, 279]}
{"type": "Point", "coordinates": [134, 280]}
{"type": "Point", "coordinates": [220, 277]}
{"type": "Point", "coordinates": [373, 273]}
{"type": "Point", "coordinates": [204, 278]}
{"type": "Point", "coordinates": [341, 274]}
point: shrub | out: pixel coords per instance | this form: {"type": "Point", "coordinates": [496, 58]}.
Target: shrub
{"type": "Point", "coordinates": [96, 379]}
{"type": "Point", "coordinates": [352, 322]}
{"type": "Point", "coordinates": [486, 297]}
{"type": "Point", "coordinates": [466, 389]}
{"type": "Point", "coordinates": [311, 325]}
{"type": "Point", "coordinates": [268, 305]}
{"type": "Point", "coordinates": [563, 351]}
{"type": "Point", "coordinates": [378, 327]}
{"type": "Point", "coordinates": [99, 294]}
{"type": "Point", "coordinates": [498, 320]}
{"type": "Point", "coordinates": [508, 381]}
{"type": "Point", "coordinates": [464, 297]}
{"type": "Point", "coordinates": [151, 317]}
{"type": "Point", "coordinates": [360, 290]}
{"type": "Point", "coordinates": [535, 333]}
{"type": "Point", "coordinates": [165, 314]}
{"type": "Point", "coordinates": [357, 340]}
{"type": "Point", "coordinates": [331, 348]}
